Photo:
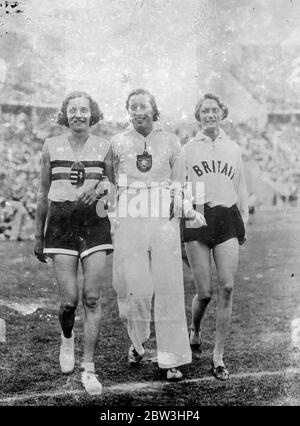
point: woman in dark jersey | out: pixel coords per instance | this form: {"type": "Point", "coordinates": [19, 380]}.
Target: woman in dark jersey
{"type": "Point", "coordinates": [68, 228]}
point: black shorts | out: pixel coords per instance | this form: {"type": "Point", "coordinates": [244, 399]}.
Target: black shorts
{"type": "Point", "coordinates": [251, 210]}
{"type": "Point", "coordinates": [223, 223]}
{"type": "Point", "coordinates": [76, 230]}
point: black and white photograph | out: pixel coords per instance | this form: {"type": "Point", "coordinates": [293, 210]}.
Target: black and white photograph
{"type": "Point", "coordinates": [149, 206]}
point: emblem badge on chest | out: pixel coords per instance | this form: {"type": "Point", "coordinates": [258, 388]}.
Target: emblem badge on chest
{"type": "Point", "coordinates": [144, 162]}
{"type": "Point", "coordinates": [77, 175]}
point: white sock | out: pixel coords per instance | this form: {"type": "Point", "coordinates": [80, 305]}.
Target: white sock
{"type": "Point", "coordinates": [88, 366]}
{"type": "Point", "coordinates": [218, 360]}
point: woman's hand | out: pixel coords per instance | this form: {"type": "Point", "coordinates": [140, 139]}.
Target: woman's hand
{"type": "Point", "coordinates": [242, 241]}
{"type": "Point", "coordinates": [103, 187]}
{"type": "Point", "coordinates": [38, 249]}
{"type": "Point", "coordinates": [92, 195]}
{"type": "Point", "coordinates": [191, 214]}
{"type": "Point", "coordinates": [88, 197]}
{"type": "Point", "coordinates": [198, 219]}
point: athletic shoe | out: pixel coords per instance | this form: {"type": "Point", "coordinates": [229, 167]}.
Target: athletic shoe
{"type": "Point", "coordinates": [66, 355]}
{"type": "Point", "coordinates": [133, 356]}
{"type": "Point", "coordinates": [174, 375]}
{"type": "Point", "coordinates": [90, 380]}
{"type": "Point", "coordinates": [220, 372]}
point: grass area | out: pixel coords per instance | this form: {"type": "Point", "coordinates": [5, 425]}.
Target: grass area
{"type": "Point", "coordinates": [266, 300]}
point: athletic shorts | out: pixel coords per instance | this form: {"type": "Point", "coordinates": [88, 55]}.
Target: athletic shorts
{"type": "Point", "coordinates": [223, 223]}
{"type": "Point", "coordinates": [251, 210]}
{"type": "Point", "coordinates": [76, 230]}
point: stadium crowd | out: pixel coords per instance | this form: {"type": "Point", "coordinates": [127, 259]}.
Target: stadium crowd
{"type": "Point", "coordinates": [276, 151]}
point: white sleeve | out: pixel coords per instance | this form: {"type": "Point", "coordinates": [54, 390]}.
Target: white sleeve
{"type": "Point", "coordinates": [177, 163]}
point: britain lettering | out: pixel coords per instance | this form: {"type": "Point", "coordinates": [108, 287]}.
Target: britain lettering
{"type": "Point", "coordinates": [222, 168]}
{"type": "Point", "coordinates": [206, 167]}
{"type": "Point", "coordinates": [197, 170]}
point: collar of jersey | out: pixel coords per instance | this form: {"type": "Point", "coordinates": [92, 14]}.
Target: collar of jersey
{"type": "Point", "coordinates": [202, 137]}
{"type": "Point", "coordinates": [156, 128]}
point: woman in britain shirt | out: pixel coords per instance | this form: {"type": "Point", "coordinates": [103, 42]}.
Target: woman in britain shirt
{"type": "Point", "coordinates": [214, 161]}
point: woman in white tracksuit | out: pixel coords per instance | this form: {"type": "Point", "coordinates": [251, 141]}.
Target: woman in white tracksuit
{"type": "Point", "coordinates": [213, 160]}
{"type": "Point", "coordinates": [147, 257]}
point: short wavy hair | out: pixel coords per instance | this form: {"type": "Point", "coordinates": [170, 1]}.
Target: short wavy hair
{"type": "Point", "coordinates": [152, 101]}
{"type": "Point", "coordinates": [223, 107]}
{"type": "Point", "coordinates": [96, 114]}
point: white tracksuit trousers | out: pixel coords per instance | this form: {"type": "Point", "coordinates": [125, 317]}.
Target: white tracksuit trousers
{"type": "Point", "coordinates": [147, 261]}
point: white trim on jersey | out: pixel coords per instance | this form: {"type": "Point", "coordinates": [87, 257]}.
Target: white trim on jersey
{"type": "Point", "coordinates": [56, 170]}
{"type": "Point", "coordinates": [87, 169]}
